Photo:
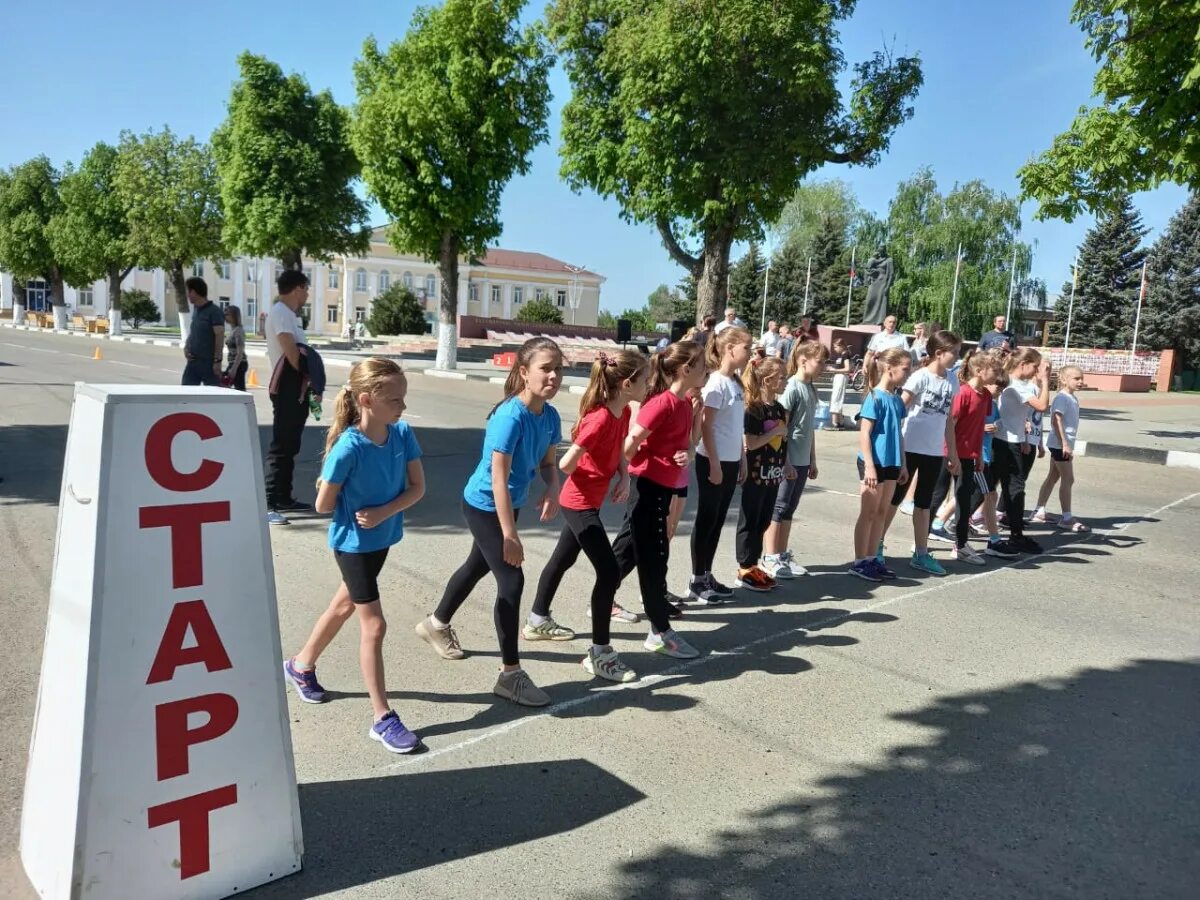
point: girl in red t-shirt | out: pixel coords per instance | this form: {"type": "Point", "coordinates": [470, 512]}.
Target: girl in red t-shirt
{"type": "Point", "coordinates": [660, 449]}
{"type": "Point", "coordinates": [595, 456]}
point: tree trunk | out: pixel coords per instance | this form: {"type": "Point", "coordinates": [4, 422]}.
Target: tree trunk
{"type": "Point", "coordinates": [447, 347]}
{"type": "Point", "coordinates": [179, 285]}
{"type": "Point", "coordinates": [292, 259]}
{"type": "Point", "coordinates": [114, 300]}
{"type": "Point", "coordinates": [58, 298]}
{"type": "Point", "coordinates": [712, 284]}
{"type": "Point", "coordinates": [20, 301]}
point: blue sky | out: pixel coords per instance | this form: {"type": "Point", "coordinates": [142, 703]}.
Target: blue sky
{"type": "Point", "coordinates": [1000, 80]}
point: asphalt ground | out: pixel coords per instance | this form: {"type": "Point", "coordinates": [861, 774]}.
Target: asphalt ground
{"type": "Point", "coordinates": [1024, 730]}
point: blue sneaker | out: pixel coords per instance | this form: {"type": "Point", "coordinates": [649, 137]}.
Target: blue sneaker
{"type": "Point", "coordinates": [939, 532]}
{"type": "Point", "coordinates": [882, 571]}
{"type": "Point", "coordinates": [924, 562]}
{"type": "Point", "coordinates": [864, 570]}
{"type": "Point", "coordinates": [274, 517]}
{"type": "Point", "coordinates": [305, 681]}
{"type": "Point", "coordinates": [390, 732]}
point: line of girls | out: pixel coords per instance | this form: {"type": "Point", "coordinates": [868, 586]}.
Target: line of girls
{"type": "Point", "coordinates": [687, 395]}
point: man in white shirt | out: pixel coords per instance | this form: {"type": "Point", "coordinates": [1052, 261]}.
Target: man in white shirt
{"type": "Point", "coordinates": [885, 340]}
{"type": "Point", "coordinates": [288, 405]}
{"type": "Point", "coordinates": [770, 339]}
{"type": "Point", "coordinates": [731, 319]}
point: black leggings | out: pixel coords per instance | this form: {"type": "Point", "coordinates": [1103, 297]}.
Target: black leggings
{"type": "Point", "coordinates": [940, 492]}
{"type": "Point", "coordinates": [758, 503]}
{"type": "Point", "coordinates": [711, 510]}
{"type": "Point", "coordinates": [487, 555]}
{"type": "Point", "coordinates": [966, 490]}
{"type": "Point", "coordinates": [583, 531]}
{"type": "Point", "coordinates": [925, 468]}
{"type": "Point", "coordinates": [1012, 469]}
{"type": "Point", "coordinates": [642, 544]}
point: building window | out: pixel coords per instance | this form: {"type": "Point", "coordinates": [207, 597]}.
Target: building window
{"type": "Point", "coordinates": [251, 315]}
{"type": "Point", "coordinates": [539, 294]}
{"type": "Point", "coordinates": [518, 294]}
{"type": "Point", "coordinates": [496, 293]}
{"type": "Point", "coordinates": [472, 293]}
{"type": "Point", "coordinates": [223, 269]}
{"type": "Point", "coordinates": [561, 297]}
{"type": "Point", "coordinates": [360, 314]}
{"type": "Point", "coordinates": [430, 286]}
{"type": "Point", "coordinates": [335, 279]}
{"type": "Point", "coordinates": [385, 280]}
{"type": "Point", "coordinates": [331, 315]}
{"type": "Point", "coordinates": [37, 295]}
{"type": "Point", "coordinates": [360, 279]}
{"type": "Point", "coordinates": [223, 302]}
{"type": "Point", "coordinates": [198, 269]}
{"type": "Point", "coordinates": [408, 281]}
{"type": "Point", "coordinates": [86, 297]}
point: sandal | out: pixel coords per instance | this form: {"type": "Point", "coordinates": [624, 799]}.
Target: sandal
{"type": "Point", "coordinates": [1073, 525]}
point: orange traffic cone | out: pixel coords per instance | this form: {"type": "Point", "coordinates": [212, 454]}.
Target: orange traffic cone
{"type": "Point", "coordinates": [251, 378]}
{"type": "Point", "coordinates": [97, 354]}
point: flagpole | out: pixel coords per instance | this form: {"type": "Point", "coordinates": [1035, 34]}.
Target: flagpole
{"type": "Point", "coordinates": [766, 285]}
{"type": "Point", "coordinates": [1012, 284]}
{"type": "Point", "coordinates": [850, 286]}
{"type": "Point", "coordinates": [1137, 322]}
{"type": "Point", "coordinates": [954, 293]}
{"type": "Point", "coordinates": [807, 278]}
{"type": "Point", "coordinates": [1071, 308]}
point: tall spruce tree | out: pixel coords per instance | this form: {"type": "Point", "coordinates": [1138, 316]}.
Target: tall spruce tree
{"type": "Point", "coordinates": [1171, 311]}
{"type": "Point", "coordinates": [1110, 271]}
{"type": "Point", "coordinates": [785, 295]}
{"type": "Point", "coordinates": [746, 285]}
{"type": "Point", "coordinates": [831, 269]}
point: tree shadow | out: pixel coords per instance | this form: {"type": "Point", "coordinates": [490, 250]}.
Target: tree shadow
{"type": "Point", "coordinates": [1173, 434]}
{"type": "Point", "coordinates": [1078, 787]}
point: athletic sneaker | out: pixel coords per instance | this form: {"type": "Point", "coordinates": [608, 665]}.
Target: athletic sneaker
{"type": "Point", "coordinates": [519, 688]}
{"type": "Point", "coordinates": [675, 605]}
{"type": "Point", "coordinates": [881, 570]}
{"type": "Point", "coordinates": [754, 579]}
{"type": "Point", "coordinates": [907, 507]}
{"type": "Point", "coordinates": [774, 565]}
{"type": "Point", "coordinates": [1038, 517]}
{"type": "Point", "coordinates": [701, 591]}
{"type": "Point", "coordinates": [390, 732]}
{"type": "Point", "coordinates": [547, 631]}
{"type": "Point", "coordinates": [978, 528]}
{"type": "Point", "coordinates": [864, 570]}
{"type": "Point", "coordinates": [305, 682]}
{"type": "Point", "coordinates": [443, 640]}
{"type": "Point", "coordinates": [618, 614]}
{"type": "Point", "coordinates": [794, 567]}
{"type": "Point", "coordinates": [294, 505]}
{"type": "Point", "coordinates": [939, 533]}
{"type": "Point", "coordinates": [607, 664]}
{"type": "Point", "coordinates": [670, 643]}
{"type": "Point", "coordinates": [924, 562]}
{"type": "Point", "coordinates": [277, 518]}
{"type": "Point", "coordinates": [1002, 548]}
{"type": "Point", "coordinates": [721, 590]}
{"type": "Point", "coordinates": [1026, 544]}
{"type": "Point", "coordinates": [969, 556]}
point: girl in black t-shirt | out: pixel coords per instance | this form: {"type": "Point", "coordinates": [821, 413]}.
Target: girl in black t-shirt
{"type": "Point", "coordinates": [766, 455]}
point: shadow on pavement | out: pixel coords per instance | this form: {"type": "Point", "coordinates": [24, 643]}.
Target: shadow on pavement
{"type": "Point", "coordinates": [360, 831]}
{"type": "Point", "coordinates": [1083, 787]}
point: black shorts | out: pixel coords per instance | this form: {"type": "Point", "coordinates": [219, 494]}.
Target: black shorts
{"type": "Point", "coordinates": [1056, 454]}
{"type": "Point", "coordinates": [360, 572]}
{"type": "Point", "coordinates": [926, 468]}
{"type": "Point", "coordinates": [990, 477]}
{"type": "Point", "coordinates": [883, 473]}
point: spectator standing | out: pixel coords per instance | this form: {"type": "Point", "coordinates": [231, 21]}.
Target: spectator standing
{"type": "Point", "coordinates": [731, 320]}
{"type": "Point", "coordinates": [770, 339]}
{"type": "Point", "coordinates": [289, 411]}
{"type": "Point", "coordinates": [786, 342]}
{"type": "Point", "coordinates": [999, 338]}
{"type": "Point", "coordinates": [235, 343]}
{"type": "Point", "coordinates": [887, 339]}
{"type": "Point", "coordinates": [918, 344]}
{"type": "Point", "coordinates": [705, 331]}
{"type": "Point", "coordinates": [203, 349]}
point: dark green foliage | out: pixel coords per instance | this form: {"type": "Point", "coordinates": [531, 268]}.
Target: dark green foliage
{"type": "Point", "coordinates": [137, 307]}
{"type": "Point", "coordinates": [1171, 314]}
{"type": "Point", "coordinates": [396, 311]}
{"type": "Point", "coordinates": [540, 309]}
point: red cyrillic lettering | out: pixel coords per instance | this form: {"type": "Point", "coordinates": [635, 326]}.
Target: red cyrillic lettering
{"type": "Point", "coordinates": [185, 521]}
{"type": "Point", "coordinates": [159, 464]}
{"type": "Point", "coordinates": [192, 815]}
{"type": "Point", "coordinates": [193, 615]}
{"type": "Point", "coordinates": [172, 737]}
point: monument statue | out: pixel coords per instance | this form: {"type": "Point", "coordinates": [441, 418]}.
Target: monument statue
{"type": "Point", "coordinates": [882, 272]}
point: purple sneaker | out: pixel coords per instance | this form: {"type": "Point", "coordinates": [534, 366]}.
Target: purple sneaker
{"type": "Point", "coordinates": [390, 732]}
{"type": "Point", "coordinates": [881, 570]}
{"type": "Point", "coordinates": [305, 681]}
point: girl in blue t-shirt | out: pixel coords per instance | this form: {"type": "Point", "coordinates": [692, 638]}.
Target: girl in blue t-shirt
{"type": "Point", "coordinates": [372, 473]}
{"type": "Point", "coordinates": [880, 459]}
{"type": "Point", "coordinates": [523, 431]}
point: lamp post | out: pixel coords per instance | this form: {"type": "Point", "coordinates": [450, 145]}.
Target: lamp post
{"type": "Point", "coordinates": [574, 289]}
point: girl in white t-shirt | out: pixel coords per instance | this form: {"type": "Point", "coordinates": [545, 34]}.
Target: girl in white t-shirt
{"type": "Point", "coordinates": [928, 441]}
{"type": "Point", "coordinates": [1011, 444]}
{"type": "Point", "coordinates": [1060, 439]}
{"type": "Point", "coordinates": [720, 458]}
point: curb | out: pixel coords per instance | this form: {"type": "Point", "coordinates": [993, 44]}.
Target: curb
{"type": "Point", "coordinates": [1176, 459]}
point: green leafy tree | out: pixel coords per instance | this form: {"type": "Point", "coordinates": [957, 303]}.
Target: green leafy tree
{"type": "Point", "coordinates": [640, 319]}
{"type": "Point", "coordinates": [606, 319]}
{"type": "Point", "coordinates": [168, 186]}
{"type": "Point", "coordinates": [703, 118]}
{"type": "Point", "coordinates": [1171, 311]}
{"type": "Point", "coordinates": [29, 200]}
{"type": "Point", "coordinates": [540, 309]}
{"type": "Point", "coordinates": [286, 168]}
{"type": "Point", "coordinates": [137, 307]}
{"type": "Point", "coordinates": [1110, 274]}
{"type": "Point", "coordinates": [444, 119]}
{"type": "Point", "coordinates": [812, 204]}
{"type": "Point", "coordinates": [90, 234]}
{"type": "Point", "coordinates": [396, 311]}
{"type": "Point", "coordinates": [745, 289]}
{"type": "Point", "coordinates": [685, 300]}
{"type": "Point", "coordinates": [1143, 131]}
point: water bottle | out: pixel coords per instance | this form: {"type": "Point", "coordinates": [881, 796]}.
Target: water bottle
{"type": "Point", "coordinates": [314, 405]}
{"type": "Point", "coordinates": [821, 418]}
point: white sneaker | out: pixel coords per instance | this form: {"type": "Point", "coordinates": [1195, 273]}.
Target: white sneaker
{"type": "Point", "coordinates": [907, 507]}
{"type": "Point", "coordinates": [968, 555]}
{"type": "Point", "coordinates": [774, 566]}
{"type": "Point", "coordinates": [794, 567]}
{"type": "Point", "coordinates": [670, 643]}
{"type": "Point", "coordinates": [607, 664]}
{"type": "Point", "coordinates": [618, 614]}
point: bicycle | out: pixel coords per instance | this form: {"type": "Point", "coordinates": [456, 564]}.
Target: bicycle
{"type": "Point", "coordinates": [858, 375]}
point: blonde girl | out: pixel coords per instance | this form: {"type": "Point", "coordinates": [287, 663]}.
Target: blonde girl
{"type": "Point", "coordinates": [720, 458]}
{"type": "Point", "coordinates": [596, 455]}
{"type": "Point", "coordinates": [1064, 426]}
{"type": "Point", "coordinates": [659, 450]}
{"type": "Point", "coordinates": [522, 433]}
{"type": "Point", "coordinates": [1010, 445]}
{"type": "Point", "coordinates": [372, 473]}
{"type": "Point", "coordinates": [881, 465]}
{"type": "Point", "coordinates": [800, 405]}
{"type": "Point", "coordinates": [766, 455]}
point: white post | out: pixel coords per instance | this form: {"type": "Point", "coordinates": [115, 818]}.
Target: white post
{"type": "Point", "coordinates": [766, 286]}
{"type": "Point", "coordinates": [1137, 322]}
{"type": "Point", "coordinates": [954, 292]}
{"type": "Point", "coordinates": [1071, 308]}
{"type": "Point", "coordinates": [1012, 283]}
{"type": "Point", "coordinates": [807, 279]}
{"type": "Point", "coordinates": [850, 285]}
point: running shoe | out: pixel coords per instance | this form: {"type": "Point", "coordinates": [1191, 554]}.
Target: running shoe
{"type": "Point", "coordinates": [1038, 517]}
{"type": "Point", "coordinates": [754, 579]}
{"type": "Point", "coordinates": [277, 518]}
{"type": "Point", "coordinates": [607, 664]}
{"type": "Point", "coordinates": [969, 556]}
{"type": "Point", "coordinates": [721, 590]}
{"type": "Point", "coordinates": [701, 591]}
{"type": "Point", "coordinates": [882, 571]}
{"type": "Point", "coordinates": [547, 631]}
{"type": "Point", "coordinates": [864, 570]}
{"type": "Point", "coordinates": [1002, 549]}
{"type": "Point", "coordinates": [390, 732]}
{"type": "Point", "coordinates": [305, 682]}
{"type": "Point", "coordinates": [294, 505]}
{"type": "Point", "coordinates": [907, 507]}
{"type": "Point", "coordinates": [797, 569]}
{"type": "Point", "coordinates": [978, 528]}
{"type": "Point", "coordinates": [939, 533]}
{"type": "Point", "coordinates": [519, 688]}
{"type": "Point", "coordinates": [924, 562]}
{"type": "Point", "coordinates": [670, 643]}
{"type": "Point", "coordinates": [1026, 544]}
{"type": "Point", "coordinates": [442, 640]}
{"type": "Point", "coordinates": [621, 614]}
{"type": "Point", "coordinates": [774, 565]}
